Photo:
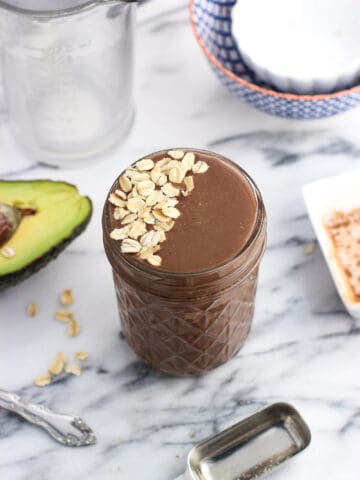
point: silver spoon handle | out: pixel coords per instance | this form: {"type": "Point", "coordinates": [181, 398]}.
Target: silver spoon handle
{"type": "Point", "coordinates": [66, 429]}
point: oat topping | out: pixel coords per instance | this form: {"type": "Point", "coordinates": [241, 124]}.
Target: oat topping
{"type": "Point", "coordinates": [200, 167]}
{"type": "Point", "coordinates": [125, 184]}
{"type": "Point", "coordinates": [129, 219]}
{"type": "Point", "coordinates": [120, 233]}
{"type": "Point", "coordinates": [116, 200]}
{"type": "Point", "coordinates": [171, 212]}
{"type": "Point", "coordinates": [146, 164]}
{"type": "Point", "coordinates": [130, 246]}
{"type": "Point", "coordinates": [31, 309]}
{"type": "Point", "coordinates": [67, 297]}
{"type": "Point", "coordinates": [176, 154]}
{"type": "Point", "coordinates": [8, 252]}
{"type": "Point", "coordinates": [188, 161]}
{"type": "Point", "coordinates": [146, 203]}
{"type": "Point", "coordinates": [170, 190]}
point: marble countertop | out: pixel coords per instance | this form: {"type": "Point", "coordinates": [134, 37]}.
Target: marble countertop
{"type": "Point", "coordinates": [303, 347]}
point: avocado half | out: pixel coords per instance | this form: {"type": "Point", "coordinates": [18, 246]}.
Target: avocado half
{"type": "Point", "coordinates": [52, 215]}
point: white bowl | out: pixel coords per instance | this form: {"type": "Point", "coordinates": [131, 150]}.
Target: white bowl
{"type": "Point", "coordinates": [322, 198]}
{"type": "Point", "coordinates": [300, 46]}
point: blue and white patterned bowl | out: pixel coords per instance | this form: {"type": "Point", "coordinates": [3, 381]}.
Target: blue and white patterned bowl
{"type": "Point", "coordinates": [211, 22]}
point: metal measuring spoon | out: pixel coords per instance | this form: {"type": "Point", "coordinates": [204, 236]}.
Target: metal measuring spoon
{"type": "Point", "coordinates": [68, 430]}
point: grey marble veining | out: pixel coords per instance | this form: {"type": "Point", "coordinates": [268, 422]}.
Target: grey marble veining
{"type": "Point", "coordinates": [303, 347]}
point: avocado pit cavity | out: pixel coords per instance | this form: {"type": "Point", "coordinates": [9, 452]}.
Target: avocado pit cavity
{"type": "Point", "coordinates": [10, 219]}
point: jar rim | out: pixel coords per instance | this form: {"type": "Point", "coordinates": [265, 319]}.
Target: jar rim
{"type": "Point", "coordinates": [259, 224]}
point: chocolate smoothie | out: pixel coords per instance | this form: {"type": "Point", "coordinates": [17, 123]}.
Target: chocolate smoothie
{"type": "Point", "coordinates": [184, 232]}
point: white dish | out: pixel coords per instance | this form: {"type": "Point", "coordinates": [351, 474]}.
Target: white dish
{"type": "Point", "coordinates": [300, 46]}
{"type": "Point", "coordinates": [322, 198]}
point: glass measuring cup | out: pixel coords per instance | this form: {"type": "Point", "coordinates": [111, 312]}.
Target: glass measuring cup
{"type": "Point", "coordinates": [67, 75]}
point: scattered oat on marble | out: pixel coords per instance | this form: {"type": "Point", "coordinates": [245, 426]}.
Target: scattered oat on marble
{"type": "Point", "coordinates": [125, 184]}
{"type": "Point", "coordinates": [73, 369]}
{"type": "Point", "coordinates": [8, 252]}
{"type": "Point", "coordinates": [200, 167]}
{"type": "Point", "coordinates": [176, 154]}
{"type": "Point", "coordinates": [57, 365]}
{"type": "Point", "coordinates": [67, 297]}
{"type": "Point", "coordinates": [42, 380]}
{"type": "Point", "coordinates": [130, 246]}
{"type": "Point", "coordinates": [31, 309]}
{"type": "Point", "coordinates": [81, 356]}
{"type": "Point", "coordinates": [65, 316]}
{"type": "Point", "coordinates": [145, 164]}
{"type": "Point", "coordinates": [74, 328]}
{"type": "Point", "coordinates": [309, 249]}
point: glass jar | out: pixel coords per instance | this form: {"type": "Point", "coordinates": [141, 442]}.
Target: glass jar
{"type": "Point", "coordinates": [188, 323]}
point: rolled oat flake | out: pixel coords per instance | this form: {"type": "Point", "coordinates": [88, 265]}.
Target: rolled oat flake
{"type": "Point", "coordinates": [250, 448]}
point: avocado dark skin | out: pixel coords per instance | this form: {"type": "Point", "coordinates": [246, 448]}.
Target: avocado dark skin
{"type": "Point", "coordinates": [56, 207]}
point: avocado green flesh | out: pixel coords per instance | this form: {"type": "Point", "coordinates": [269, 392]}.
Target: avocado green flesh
{"type": "Point", "coordinates": [61, 214]}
